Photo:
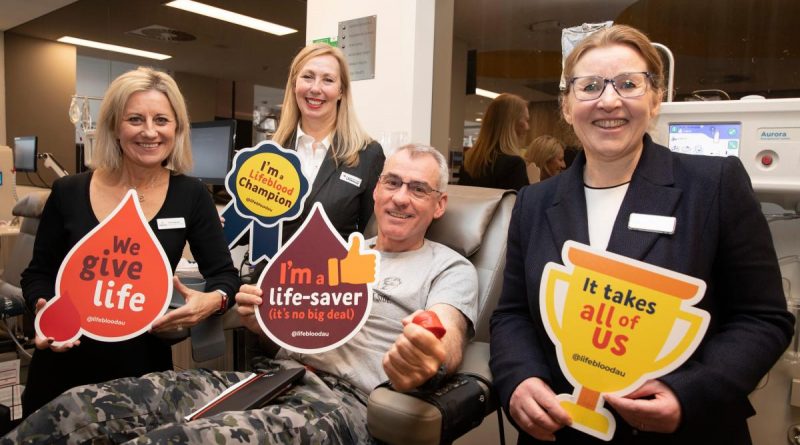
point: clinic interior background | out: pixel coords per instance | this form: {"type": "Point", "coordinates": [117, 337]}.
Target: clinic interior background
{"type": "Point", "coordinates": [722, 48]}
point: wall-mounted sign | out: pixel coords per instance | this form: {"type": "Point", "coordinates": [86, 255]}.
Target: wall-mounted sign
{"type": "Point", "coordinates": [328, 40]}
{"type": "Point", "coordinates": [357, 41]}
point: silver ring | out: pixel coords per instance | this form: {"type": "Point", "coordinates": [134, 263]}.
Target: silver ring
{"type": "Point", "coordinates": [180, 328]}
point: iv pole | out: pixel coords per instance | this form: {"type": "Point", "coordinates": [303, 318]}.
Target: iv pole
{"type": "Point", "coordinates": [80, 116]}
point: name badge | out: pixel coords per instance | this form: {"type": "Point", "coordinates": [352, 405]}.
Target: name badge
{"type": "Point", "coordinates": [350, 179]}
{"type": "Point", "coordinates": [171, 223]}
{"type": "Point", "coordinates": [652, 223]}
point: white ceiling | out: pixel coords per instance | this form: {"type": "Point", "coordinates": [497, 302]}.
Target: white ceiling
{"type": "Point", "coordinates": [526, 24]}
{"type": "Point", "coordinates": [17, 12]}
{"type": "Point", "coordinates": [219, 49]}
{"type": "Point", "coordinates": [741, 46]}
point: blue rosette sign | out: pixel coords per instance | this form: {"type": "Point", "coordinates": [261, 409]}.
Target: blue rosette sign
{"type": "Point", "coordinates": [267, 187]}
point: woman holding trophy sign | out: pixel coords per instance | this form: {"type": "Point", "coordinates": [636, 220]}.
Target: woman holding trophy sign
{"type": "Point", "coordinates": [629, 198]}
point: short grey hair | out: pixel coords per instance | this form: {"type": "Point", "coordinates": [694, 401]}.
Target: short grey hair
{"type": "Point", "coordinates": [415, 150]}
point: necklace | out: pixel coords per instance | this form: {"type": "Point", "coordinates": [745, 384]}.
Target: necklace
{"type": "Point", "coordinates": [138, 192]}
{"type": "Point", "coordinates": [607, 187]}
{"type": "Point", "coordinates": [140, 189]}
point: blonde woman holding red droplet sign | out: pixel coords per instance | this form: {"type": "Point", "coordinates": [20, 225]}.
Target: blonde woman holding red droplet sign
{"type": "Point", "coordinates": [142, 145]}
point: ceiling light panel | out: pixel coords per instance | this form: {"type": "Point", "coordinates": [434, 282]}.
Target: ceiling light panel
{"type": "Point", "coordinates": [231, 17]}
{"type": "Point", "coordinates": [486, 93]}
{"type": "Point", "coordinates": [114, 48]}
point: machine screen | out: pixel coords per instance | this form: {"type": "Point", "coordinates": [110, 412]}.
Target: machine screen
{"type": "Point", "coordinates": [709, 138]}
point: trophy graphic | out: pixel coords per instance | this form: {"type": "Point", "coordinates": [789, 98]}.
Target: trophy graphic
{"type": "Point", "coordinates": [616, 323]}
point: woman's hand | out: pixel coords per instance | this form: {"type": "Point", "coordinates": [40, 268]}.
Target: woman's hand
{"type": "Point", "coordinates": [198, 307]}
{"type": "Point", "coordinates": [247, 300]}
{"type": "Point", "coordinates": [536, 410]}
{"type": "Point", "coordinates": [652, 407]}
{"type": "Point", "coordinates": [45, 343]}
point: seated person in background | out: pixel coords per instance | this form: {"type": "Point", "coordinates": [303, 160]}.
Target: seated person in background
{"type": "Point", "coordinates": [545, 155]}
{"type": "Point", "coordinates": [142, 144]}
{"type": "Point", "coordinates": [329, 405]}
{"type": "Point", "coordinates": [495, 161]}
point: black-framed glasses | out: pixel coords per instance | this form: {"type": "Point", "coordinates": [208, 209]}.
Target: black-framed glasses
{"type": "Point", "coordinates": [417, 189]}
{"type": "Point", "coordinates": [627, 85]}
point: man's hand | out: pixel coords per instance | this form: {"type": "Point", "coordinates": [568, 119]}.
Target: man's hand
{"type": "Point", "coordinates": [414, 358]}
{"type": "Point", "coordinates": [247, 300]}
{"type": "Point", "coordinates": [536, 410]}
{"type": "Point", "coordinates": [652, 407]}
{"type": "Point", "coordinates": [430, 321]}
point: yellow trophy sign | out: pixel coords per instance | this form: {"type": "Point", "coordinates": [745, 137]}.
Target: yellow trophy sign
{"type": "Point", "coordinates": [616, 322]}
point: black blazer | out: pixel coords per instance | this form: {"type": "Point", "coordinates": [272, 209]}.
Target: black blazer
{"type": "Point", "coordinates": [721, 237]}
{"type": "Point", "coordinates": [506, 172]}
{"type": "Point", "coordinates": [348, 206]}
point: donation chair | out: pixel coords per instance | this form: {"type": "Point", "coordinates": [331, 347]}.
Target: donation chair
{"type": "Point", "coordinates": [8, 183]}
{"type": "Point", "coordinates": [15, 319]}
{"type": "Point", "coordinates": [29, 210]}
{"type": "Point", "coordinates": [475, 225]}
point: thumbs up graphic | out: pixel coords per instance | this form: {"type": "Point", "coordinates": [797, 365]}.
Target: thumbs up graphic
{"type": "Point", "coordinates": [355, 268]}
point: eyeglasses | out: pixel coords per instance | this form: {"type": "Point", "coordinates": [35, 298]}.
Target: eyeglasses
{"type": "Point", "coordinates": [417, 189]}
{"type": "Point", "coordinates": [627, 85]}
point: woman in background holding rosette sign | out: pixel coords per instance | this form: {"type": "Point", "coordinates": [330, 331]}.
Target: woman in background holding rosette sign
{"type": "Point", "coordinates": [614, 89]}
{"type": "Point", "coordinates": [142, 144]}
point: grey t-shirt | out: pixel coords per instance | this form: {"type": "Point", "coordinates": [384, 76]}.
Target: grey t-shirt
{"type": "Point", "coordinates": [407, 281]}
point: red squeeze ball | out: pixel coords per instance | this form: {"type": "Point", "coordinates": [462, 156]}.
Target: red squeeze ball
{"type": "Point", "coordinates": [430, 321]}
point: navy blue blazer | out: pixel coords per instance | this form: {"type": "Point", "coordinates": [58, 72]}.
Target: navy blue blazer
{"type": "Point", "coordinates": [721, 237]}
{"type": "Point", "coordinates": [348, 203]}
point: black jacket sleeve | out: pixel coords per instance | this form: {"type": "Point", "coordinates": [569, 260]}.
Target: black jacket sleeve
{"type": "Point", "coordinates": [374, 157]}
{"type": "Point", "coordinates": [208, 245]}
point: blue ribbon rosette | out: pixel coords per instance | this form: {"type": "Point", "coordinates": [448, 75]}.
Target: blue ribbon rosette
{"type": "Point", "coordinates": [267, 187]}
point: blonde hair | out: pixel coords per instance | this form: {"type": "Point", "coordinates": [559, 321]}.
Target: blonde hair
{"type": "Point", "coordinates": [350, 137]}
{"type": "Point", "coordinates": [498, 134]}
{"type": "Point", "coordinates": [107, 152]}
{"type": "Point", "coordinates": [617, 35]}
{"type": "Point", "coordinates": [543, 149]}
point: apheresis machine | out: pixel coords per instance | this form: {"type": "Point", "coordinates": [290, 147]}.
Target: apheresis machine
{"type": "Point", "coordinates": [765, 135]}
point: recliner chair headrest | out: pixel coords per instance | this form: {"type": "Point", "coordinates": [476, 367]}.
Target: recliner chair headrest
{"type": "Point", "coordinates": [462, 227]}
{"type": "Point", "coordinates": [31, 206]}
{"type": "Point", "coordinates": [469, 211]}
